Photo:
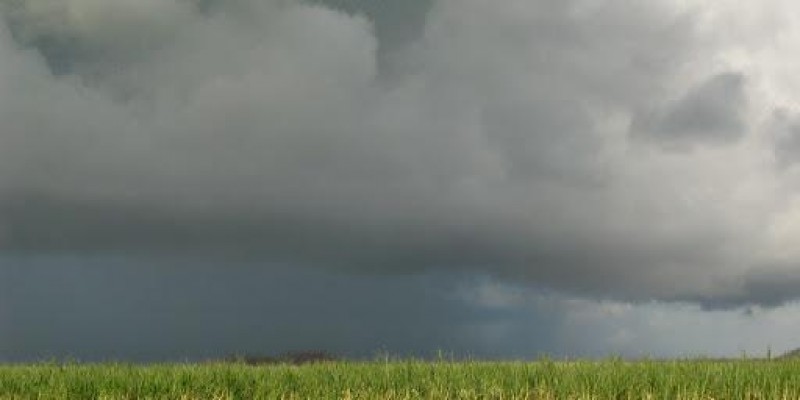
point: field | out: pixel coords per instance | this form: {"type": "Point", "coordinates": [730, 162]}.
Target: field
{"type": "Point", "coordinates": [612, 379]}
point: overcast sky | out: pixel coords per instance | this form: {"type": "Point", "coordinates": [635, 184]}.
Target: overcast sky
{"type": "Point", "coordinates": [187, 179]}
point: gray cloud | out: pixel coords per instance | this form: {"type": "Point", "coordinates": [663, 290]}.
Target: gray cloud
{"type": "Point", "coordinates": [713, 112]}
{"type": "Point", "coordinates": [499, 146]}
{"type": "Point", "coordinates": [785, 129]}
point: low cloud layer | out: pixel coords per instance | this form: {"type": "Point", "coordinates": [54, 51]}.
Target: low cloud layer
{"type": "Point", "coordinates": [607, 150]}
{"type": "Point", "coordinates": [93, 308]}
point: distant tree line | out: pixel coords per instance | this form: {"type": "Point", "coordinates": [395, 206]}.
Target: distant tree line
{"type": "Point", "coordinates": [295, 358]}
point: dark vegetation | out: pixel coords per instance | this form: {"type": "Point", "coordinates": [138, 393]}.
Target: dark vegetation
{"type": "Point", "coordinates": [293, 358]}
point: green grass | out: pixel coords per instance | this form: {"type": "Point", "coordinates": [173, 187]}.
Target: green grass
{"type": "Point", "coordinates": [612, 379]}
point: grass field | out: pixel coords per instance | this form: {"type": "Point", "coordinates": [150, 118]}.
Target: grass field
{"type": "Point", "coordinates": [613, 379]}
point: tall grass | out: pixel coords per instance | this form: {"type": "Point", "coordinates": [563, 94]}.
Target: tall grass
{"type": "Point", "coordinates": [614, 379]}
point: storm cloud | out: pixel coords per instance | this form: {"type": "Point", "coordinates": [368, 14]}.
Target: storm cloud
{"type": "Point", "coordinates": [610, 150]}
{"type": "Point", "coordinates": [506, 147]}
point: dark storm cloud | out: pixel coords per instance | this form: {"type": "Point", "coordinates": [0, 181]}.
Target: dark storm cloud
{"type": "Point", "coordinates": [110, 308]}
{"type": "Point", "coordinates": [92, 308]}
{"type": "Point", "coordinates": [500, 145]}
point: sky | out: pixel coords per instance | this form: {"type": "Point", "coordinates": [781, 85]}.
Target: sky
{"type": "Point", "coordinates": [192, 179]}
